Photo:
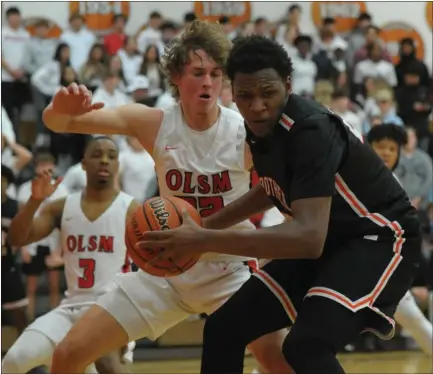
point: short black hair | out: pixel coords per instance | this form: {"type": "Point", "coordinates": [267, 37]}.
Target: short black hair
{"type": "Point", "coordinates": [12, 10]}
{"type": "Point", "coordinates": [189, 17]}
{"type": "Point", "coordinates": [294, 7]}
{"type": "Point", "coordinates": [364, 17]}
{"type": "Point", "coordinates": [328, 21]}
{"type": "Point", "coordinates": [253, 53]}
{"type": "Point", "coordinates": [95, 139]}
{"type": "Point", "coordinates": [8, 174]}
{"type": "Point", "coordinates": [155, 14]}
{"type": "Point", "coordinates": [224, 20]}
{"type": "Point", "coordinates": [387, 131]}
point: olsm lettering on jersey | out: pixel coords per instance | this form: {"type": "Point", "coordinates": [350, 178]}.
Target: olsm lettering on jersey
{"type": "Point", "coordinates": [92, 243]}
{"type": "Point", "coordinates": [184, 182]}
{"type": "Point", "coordinates": [273, 189]}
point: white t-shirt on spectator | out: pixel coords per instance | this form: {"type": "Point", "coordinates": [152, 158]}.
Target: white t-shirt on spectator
{"type": "Point", "coordinates": [13, 49]}
{"type": "Point", "coordinates": [80, 44]}
{"type": "Point", "coordinates": [381, 69]}
{"type": "Point", "coordinates": [75, 179]}
{"type": "Point", "coordinates": [47, 78]}
{"type": "Point", "coordinates": [130, 65]}
{"type": "Point", "coordinates": [352, 119]}
{"type": "Point", "coordinates": [137, 174]}
{"type": "Point", "coordinates": [303, 76]}
{"type": "Point", "coordinates": [164, 101]}
{"type": "Point", "coordinates": [148, 37]}
{"type": "Point", "coordinates": [53, 240]}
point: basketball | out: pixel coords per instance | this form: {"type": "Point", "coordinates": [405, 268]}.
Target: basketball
{"type": "Point", "coordinates": [158, 213]}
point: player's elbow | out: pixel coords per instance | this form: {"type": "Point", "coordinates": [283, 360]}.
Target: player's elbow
{"type": "Point", "coordinates": [55, 122]}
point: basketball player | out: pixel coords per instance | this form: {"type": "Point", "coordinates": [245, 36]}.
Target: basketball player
{"type": "Point", "coordinates": [387, 141]}
{"type": "Point", "coordinates": [200, 154]}
{"type": "Point", "coordinates": [92, 225]}
{"type": "Point", "coordinates": [345, 259]}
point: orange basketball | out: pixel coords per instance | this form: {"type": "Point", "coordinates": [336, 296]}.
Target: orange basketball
{"type": "Point", "coordinates": [158, 213]}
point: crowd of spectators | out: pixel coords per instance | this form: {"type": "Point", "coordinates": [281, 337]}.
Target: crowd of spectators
{"type": "Point", "coordinates": [353, 75]}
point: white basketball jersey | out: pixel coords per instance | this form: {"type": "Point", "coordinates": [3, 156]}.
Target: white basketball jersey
{"type": "Point", "coordinates": [93, 251]}
{"type": "Point", "coordinates": [205, 168]}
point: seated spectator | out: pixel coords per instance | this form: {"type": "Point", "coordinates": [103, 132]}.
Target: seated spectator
{"type": "Point", "coordinates": [371, 38]}
{"type": "Point", "coordinates": [246, 29]}
{"type": "Point", "coordinates": [415, 172]}
{"type": "Point", "coordinates": [262, 27]}
{"type": "Point", "coordinates": [115, 40]}
{"type": "Point", "coordinates": [366, 97]}
{"type": "Point", "coordinates": [374, 67]}
{"type": "Point", "coordinates": [131, 59]}
{"type": "Point", "coordinates": [386, 109]}
{"type": "Point", "coordinates": [409, 60]}
{"type": "Point", "coordinates": [168, 32]}
{"type": "Point", "coordinates": [341, 106]}
{"type": "Point", "coordinates": [75, 178]}
{"type": "Point", "coordinates": [227, 26]}
{"type": "Point", "coordinates": [292, 19]}
{"type": "Point", "coordinates": [115, 66]}
{"type": "Point", "coordinates": [412, 103]}
{"type": "Point", "coordinates": [46, 80]}
{"type": "Point", "coordinates": [109, 94]}
{"type": "Point", "coordinates": [288, 40]}
{"type": "Point", "coordinates": [151, 35]}
{"type": "Point", "coordinates": [323, 91]}
{"type": "Point", "coordinates": [151, 68]}
{"type": "Point", "coordinates": [139, 90]}
{"type": "Point", "coordinates": [356, 39]}
{"type": "Point", "coordinates": [328, 36]}
{"type": "Point", "coordinates": [304, 69]}
{"type": "Point", "coordinates": [93, 69]}
{"type": "Point", "coordinates": [226, 97]}
{"type": "Point", "coordinates": [79, 39]}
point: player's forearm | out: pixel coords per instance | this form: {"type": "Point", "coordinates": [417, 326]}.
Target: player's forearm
{"type": "Point", "coordinates": [21, 225]}
{"type": "Point", "coordinates": [289, 240]}
{"type": "Point", "coordinates": [253, 202]}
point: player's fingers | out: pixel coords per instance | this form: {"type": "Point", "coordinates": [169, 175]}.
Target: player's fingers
{"type": "Point", "coordinates": [82, 89]}
{"type": "Point", "coordinates": [156, 235]}
{"type": "Point", "coordinates": [58, 181]}
{"type": "Point", "coordinates": [145, 244]}
{"type": "Point", "coordinates": [73, 89]}
{"type": "Point", "coordinates": [97, 106]}
{"type": "Point", "coordinates": [63, 91]}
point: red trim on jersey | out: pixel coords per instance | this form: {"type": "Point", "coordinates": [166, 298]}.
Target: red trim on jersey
{"type": "Point", "coordinates": [126, 268]}
{"type": "Point", "coordinates": [286, 121]}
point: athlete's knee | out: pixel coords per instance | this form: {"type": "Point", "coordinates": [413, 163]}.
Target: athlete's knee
{"type": "Point", "coordinates": [68, 352]}
{"type": "Point", "coordinates": [267, 350]}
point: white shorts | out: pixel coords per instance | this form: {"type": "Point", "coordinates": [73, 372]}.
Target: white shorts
{"type": "Point", "coordinates": [57, 323]}
{"type": "Point", "coordinates": [147, 306]}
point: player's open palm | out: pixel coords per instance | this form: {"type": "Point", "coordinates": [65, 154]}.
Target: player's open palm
{"type": "Point", "coordinates": [43, 186]}
{"type": "Point", "coordinates": [74, 100]}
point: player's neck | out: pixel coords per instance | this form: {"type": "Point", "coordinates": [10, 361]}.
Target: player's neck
{"type": "Point", "coordinates": [95, 194]}
{"type": "Point", "coordinates": [200, 121]}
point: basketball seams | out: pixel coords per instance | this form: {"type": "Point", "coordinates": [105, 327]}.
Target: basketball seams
{"type": "Point", "coordinates": [179, 215]}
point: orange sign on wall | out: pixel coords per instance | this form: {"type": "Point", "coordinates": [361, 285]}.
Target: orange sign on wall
{"type": "Point", "coordinates": [429, 13]}
{"type": "Point", "coordinates": [392, 33]}
{"type": "Point", "coordinates": [238, 11]}
{"type": "Point", "coordinates": [99, 14]}
{"type": "Point", "coordinates": [54, 30]}
{"type": "Point", "coordinates": [345, 13]}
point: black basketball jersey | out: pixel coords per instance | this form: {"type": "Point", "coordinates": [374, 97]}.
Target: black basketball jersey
{"type": "Point", "coordinates": [314, 153]}
{"type": "Point", "coordinates": [9, 210]}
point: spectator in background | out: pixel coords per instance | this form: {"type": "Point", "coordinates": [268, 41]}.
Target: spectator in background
{"type": "Point", "coordinates": [139, 90]}
{"type": "Point", "coordinates": [152, 34]}
{"type": "Point", "coordinates": [108, 93]}
{"type": "Point", "coordinates": [114, 41]}
{"type": "Point", "coordinates": [327, 37]}
{"type": "Point", "coordinates": [137, 175]}
{"type": "Point", "coordinates": [371, 38]}
{"type": "Point", "coordinates": [13, 44]}
{"type": "Point", "coordinates": [412, 102]}
{"type": "Point", "coordinates": [304, 68]}
{"type": "Point", "coordinates": [79, 39]}
{"type": "Point", "coordinates": [261, 27]}
{"type": "Point", "coordinates": [341, 106]}
{"type": "Point", "coordinates": [293, 19]}
{"type": "Point", "coordinates": [93, 69]}
{"type": "Point", "coordinates": [168, 32]}
{"type": "Point", "coordinates": [151, 68]}
{"type": "Point", "coordinates": [246, 29]}
{"type": "Point", "coordinates": [227, 26]}
{"type": "Point", "coordinates": [115, 66]}
{"type": "Point", "coordinates": [375, 67]}
{"type": "Point", "coordinates": [356, 38]}
{"type": "Point", "coordinates": [131, 59]}
{"type": "Point", "coordinates": [323, 91]}
{"type": "Point", "coordinates": [39, 51]}
{"type": "Point", "coordinates": [226, 97]}
{"type": "Point", "coordinates": [288, 40]}
{"type": "Point", "coordinates": [415, 172]}
{"type": "Point", "coordinates": [408, 60]}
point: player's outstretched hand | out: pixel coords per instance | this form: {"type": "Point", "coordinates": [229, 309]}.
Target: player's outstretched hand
{"type": "Point", "coordinates": [43, 186]}
{"type": "Point", "coordinates": [179, 243]}
{"type": "Point", "coordinates": [74, 100]}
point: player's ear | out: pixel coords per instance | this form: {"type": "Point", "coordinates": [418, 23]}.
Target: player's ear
{"type": "Point", "coordinates": [288, 84]}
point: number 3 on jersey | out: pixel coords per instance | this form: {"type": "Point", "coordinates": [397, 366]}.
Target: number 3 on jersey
{"type": "Point", "coordinates": [88, 279]}
{"type": "Point", "coordinates": [206, 205]}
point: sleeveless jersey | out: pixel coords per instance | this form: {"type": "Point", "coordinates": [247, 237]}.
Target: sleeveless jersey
{"type": "Point", "coordinates": [93, 251]}
{"type": "Point", "coordinates": [204, 168]}
{"type": "Point", "coordinates": [9, 210]}
{"type": "Point", "coordinates": [313, 153]}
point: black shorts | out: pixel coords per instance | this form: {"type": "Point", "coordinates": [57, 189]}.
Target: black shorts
{"type": "Point", "coordinates": [37, 265]}
{"type": "Point", "coordinates": [13, 291]}
{"type": "Point", "coordinates": [365, 275]}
